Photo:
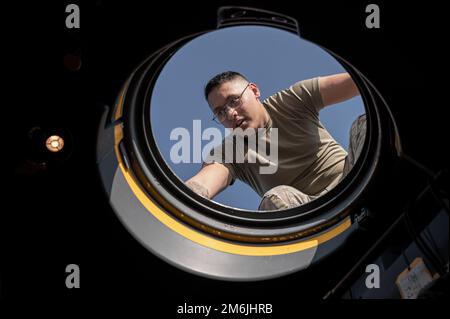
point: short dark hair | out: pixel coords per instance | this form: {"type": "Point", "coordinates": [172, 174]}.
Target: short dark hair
{"type": "Point", "coordinates": [221, 78]}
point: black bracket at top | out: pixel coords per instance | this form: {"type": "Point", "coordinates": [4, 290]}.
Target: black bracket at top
{"type": "Point", "coordinates": [234, 16]}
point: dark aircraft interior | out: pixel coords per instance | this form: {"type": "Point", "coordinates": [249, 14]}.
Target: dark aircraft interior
{"type": "Point", "coordinates": [90, 187]}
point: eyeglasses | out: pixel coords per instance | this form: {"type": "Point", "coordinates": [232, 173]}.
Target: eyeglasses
{"type": "Point", "coordinates": [235, 103]}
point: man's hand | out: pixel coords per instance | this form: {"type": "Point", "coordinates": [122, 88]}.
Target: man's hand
{"type": "Point", "coordinates": [197, 188]}
{"type": "Point", "coordinates": [337, 88]}
{"type": "Point", "coordinates": [210, 180]}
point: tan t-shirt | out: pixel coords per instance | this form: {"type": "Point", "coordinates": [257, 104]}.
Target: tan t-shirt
{"type": "Point", "coordinates": [309, 159]}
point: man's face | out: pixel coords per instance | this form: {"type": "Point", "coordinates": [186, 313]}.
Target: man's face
{"type": "Point", "coordinates": [249, 114]}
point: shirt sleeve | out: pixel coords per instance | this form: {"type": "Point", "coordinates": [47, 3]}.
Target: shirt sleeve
{"type": "Point", "coordinates": [308, 92]}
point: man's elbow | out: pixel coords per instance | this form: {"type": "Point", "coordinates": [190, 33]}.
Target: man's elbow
{"type": "Point", "coordinates": [348, 87]}
{"type": "Point", "coordinates": [337, 88]}
{"type": "Point", "coordinates": [353, 88]}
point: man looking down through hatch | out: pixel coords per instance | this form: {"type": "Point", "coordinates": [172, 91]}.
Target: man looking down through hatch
{"type": "Point", "coordinates": [309, 161]}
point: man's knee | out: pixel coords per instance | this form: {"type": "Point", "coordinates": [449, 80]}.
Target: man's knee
{"type": "Point", "coordinates": [356, 143]}
{"type": "Point", "coordinates": [358, 133]}
{"type": "Point", "coordinates": [283, 197]}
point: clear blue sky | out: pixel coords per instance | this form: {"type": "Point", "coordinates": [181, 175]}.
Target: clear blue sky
{"type": "Point", "coordinates": [271, 58]}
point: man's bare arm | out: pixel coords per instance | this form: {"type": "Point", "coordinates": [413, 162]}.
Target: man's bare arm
{"type": "Point", "coordinates": [210, 180]}
{"type": "Point", "coordinates": [337, 88]}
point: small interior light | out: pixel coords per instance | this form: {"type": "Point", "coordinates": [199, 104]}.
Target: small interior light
{"type": "Point", "coordinates": [54, 143]}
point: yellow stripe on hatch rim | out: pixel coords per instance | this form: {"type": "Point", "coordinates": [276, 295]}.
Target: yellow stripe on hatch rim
{"type": "Point", "coordinates": [205, 240]}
